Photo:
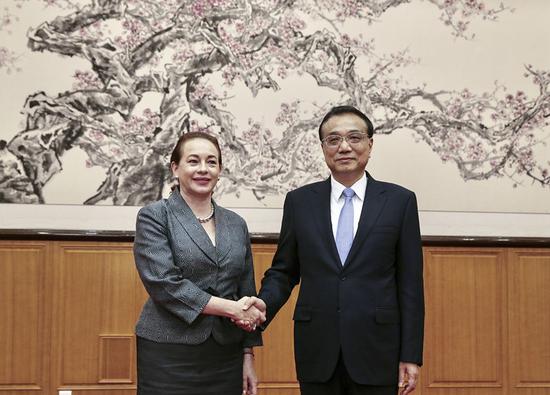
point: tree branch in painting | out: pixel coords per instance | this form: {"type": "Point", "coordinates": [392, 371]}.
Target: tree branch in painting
{"type": "Point", "coordinates": [173, 51]}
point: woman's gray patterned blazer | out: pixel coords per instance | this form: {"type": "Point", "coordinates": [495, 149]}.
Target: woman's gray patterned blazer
{"type": "Point", "coordinates": [181, 269]}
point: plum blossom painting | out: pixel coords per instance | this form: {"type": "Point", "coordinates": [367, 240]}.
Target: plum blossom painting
{"type": "Point", "coordinates": [96, 92]}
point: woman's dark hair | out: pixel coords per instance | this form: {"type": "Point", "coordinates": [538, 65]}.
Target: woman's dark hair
{"type": "Point", "coordinates": [176, 153]}
{"type": "Point", "coordinates": [339, 110]}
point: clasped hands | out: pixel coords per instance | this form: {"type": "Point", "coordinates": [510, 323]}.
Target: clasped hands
{"type": "Point", "coordinates": [250, 313]}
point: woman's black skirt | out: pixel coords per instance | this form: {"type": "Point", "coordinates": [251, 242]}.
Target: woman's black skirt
{"type": "Point", "coordinates": [181, 369]}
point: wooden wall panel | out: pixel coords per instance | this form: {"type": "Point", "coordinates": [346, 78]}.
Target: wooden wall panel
{"type": "Point", "coordinates": [465, 302]}
{"type": "Point", "coordinates": [529, 283]}
{"type": "Point", "coordinates": [68, 309]}
{"type": "Point", "coordinates": [116, 359]}
{"type": "Point", "coordinates": [99, 296]}
{"type": "Point", "coordinates": [24, 319]}
{"type": "Point", "coordinates": [275, 360]}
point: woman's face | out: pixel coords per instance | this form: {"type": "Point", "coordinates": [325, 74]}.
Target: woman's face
{"type": "Point", "coordinates": [198, 169]}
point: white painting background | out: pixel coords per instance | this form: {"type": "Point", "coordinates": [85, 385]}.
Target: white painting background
{"type": "Point", "coordinates": [499, 51]}
{"type": "Point", "coordinates": [449, 205]}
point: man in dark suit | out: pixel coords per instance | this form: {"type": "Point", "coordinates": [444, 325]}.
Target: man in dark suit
{"type": "Point", "coordinates": [354, 244]}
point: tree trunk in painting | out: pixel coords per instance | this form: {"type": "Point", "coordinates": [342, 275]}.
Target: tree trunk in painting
{"type": "Point", "coordinates": [173, 49]}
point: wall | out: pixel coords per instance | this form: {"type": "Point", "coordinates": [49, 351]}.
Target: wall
{"type": "Point", "coordinates": [67, 311]}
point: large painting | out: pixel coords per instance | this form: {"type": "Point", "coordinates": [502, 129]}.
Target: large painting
{"type": "Point", "coordinates": [96, 92]}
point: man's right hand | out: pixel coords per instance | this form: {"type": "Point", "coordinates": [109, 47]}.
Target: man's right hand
{"type": "Point", "coordinates": [256, 302]}
{"type": "Point", "coordinates": [253, 313]}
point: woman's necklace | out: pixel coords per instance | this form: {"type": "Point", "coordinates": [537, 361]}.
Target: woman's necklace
{"type": "Point", "coordinates": [209, 217]}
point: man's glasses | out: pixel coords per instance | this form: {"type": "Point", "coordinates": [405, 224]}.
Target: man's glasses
{"type": "Point", "coordinates": [334, 140]}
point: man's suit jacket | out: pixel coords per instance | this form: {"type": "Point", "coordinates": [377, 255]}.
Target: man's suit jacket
{"type": "Point", "coordinates": [372, 308]}
{"type": "Point", "coordinates": [181, 269]}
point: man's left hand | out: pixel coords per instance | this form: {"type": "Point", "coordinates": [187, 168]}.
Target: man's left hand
{"type": "Point", "coordinates": [408, 377]}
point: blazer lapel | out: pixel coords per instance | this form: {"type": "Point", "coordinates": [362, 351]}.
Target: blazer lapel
{"type": "Point", "coordinates": [191, 225]}
{"type": "Point", "coordinates": [373, 205]}
{"type": "Point", "coordinates": [223, 241]}
{"type": "Point", "coordinates": [324, 222]}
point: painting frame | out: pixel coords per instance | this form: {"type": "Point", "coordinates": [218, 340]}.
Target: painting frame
{"type": "Point", "coordinates": [458, 74]}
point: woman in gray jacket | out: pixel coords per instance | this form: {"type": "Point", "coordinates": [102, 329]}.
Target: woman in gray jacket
{"type": "Point", "coordinates": [195, 261]}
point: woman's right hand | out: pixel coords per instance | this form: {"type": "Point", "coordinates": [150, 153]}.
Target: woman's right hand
{"type": "Point", "coordinates": [247, 312]}
{"type": "Point", "coordinates": [247, 316]}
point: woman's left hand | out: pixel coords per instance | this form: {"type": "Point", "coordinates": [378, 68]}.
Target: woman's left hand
{"type": "Point", "coordinates": [250, 381]}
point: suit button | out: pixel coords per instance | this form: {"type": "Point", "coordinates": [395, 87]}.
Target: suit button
{"type": "Point", "coordinates": [343, 278]}
{"type": "Point", "coordinates": [338, 310]}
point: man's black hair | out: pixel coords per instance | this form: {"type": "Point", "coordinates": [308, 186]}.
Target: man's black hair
{"type": "Point", "coordinates": [338, 110]}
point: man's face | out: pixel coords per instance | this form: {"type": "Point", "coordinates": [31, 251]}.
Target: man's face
{"type": "Point", "coordinates": [346, 161]}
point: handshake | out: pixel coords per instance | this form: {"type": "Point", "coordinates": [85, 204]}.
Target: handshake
{"type": "Point", "coordinates": [250, 312]}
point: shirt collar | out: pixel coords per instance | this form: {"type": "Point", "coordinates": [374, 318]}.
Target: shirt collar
{"type": "Point", "coordinates": [359, 188]}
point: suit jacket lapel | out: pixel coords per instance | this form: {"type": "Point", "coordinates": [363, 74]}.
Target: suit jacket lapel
{"type": "Point", "coordinates": [223, 242]}
{"type": "Point", "coordinates": [373, 205]}
{"type": "Point", "coordinates": [191, 225]}
{"type": "Point", "coordinates": [323, 220]}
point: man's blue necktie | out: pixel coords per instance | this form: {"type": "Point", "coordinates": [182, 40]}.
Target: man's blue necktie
{"type": "Point", "coordinates": [344, 232]}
